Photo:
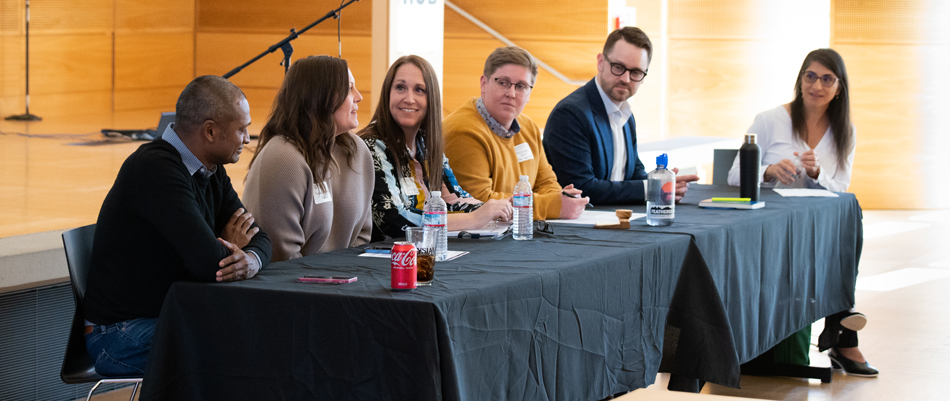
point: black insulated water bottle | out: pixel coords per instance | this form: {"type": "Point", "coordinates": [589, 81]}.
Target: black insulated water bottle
{"type": "Point", "coordinates": [749, 159]}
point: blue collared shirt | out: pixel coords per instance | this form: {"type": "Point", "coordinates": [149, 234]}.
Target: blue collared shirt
{"type": "Point", "coordinates": [191, 161]}
{"type": "Point", "coordinates": [495, 126]}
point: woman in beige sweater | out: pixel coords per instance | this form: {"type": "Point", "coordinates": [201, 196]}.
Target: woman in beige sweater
{"type": "Point", "coordinates": [310, 182]}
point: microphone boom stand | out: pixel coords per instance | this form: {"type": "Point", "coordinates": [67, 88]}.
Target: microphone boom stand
{"type": "Point", "coordinates": [284, 44]}
{"type": "Point", "coordinates": [27, 116]}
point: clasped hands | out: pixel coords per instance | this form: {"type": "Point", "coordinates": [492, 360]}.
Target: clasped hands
{"type": "Point", "coordinates": [236, 235]}
{"type": "Point", "coordinates": [786, 170]}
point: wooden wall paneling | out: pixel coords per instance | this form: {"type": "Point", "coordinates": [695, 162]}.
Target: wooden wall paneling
{"type": "Point", "coordinates": [151, 69]}
{"type": "Point", "coordinates": [280, 16]}
{"type": "Point", "coordinates": [649, 103]}
{"type": "Point", "coordinates": [218, 53]}
{"type": "Point", "coordinates": [65, 16]}
{"type": "Point", "coordinates": [717, 87]}
{"type": "Point", "coordinates": [11, 57]}
{"type": "Point", "coordinates": [71, 74]}
{"type": "Point", "coordinates": [897, 58]}
{"type": "Point", "coordinates": [570, 48]}
{"type": "Point", "coordinates": [886, 118]}
{"type": "Point", "coordinates": [12, 74]}
{"type": "Point", "coordinates": [154, 53]}
{"type": "Point", "coordinates": [11, 17]}
{"type": "Point", "coordinates": [464, 61]}
{"type": "Point", "coordinates": [730, 60]}
{"type": "Point", "coordinates": [154, 16]}
{"type": "Point", "coordinates": [156, 99]}
{"type": "Point", "coordinates": [261, 101]}
{"type": "Point", "coordinates": [70, 57]}
{"type": "Point", "coordinates": [536, 20]}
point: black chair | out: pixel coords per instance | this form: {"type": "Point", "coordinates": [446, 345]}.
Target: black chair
{"type": "Point", "coordinates": [78, 365]}
{"type": "Point", "coordinates": [722, 162]}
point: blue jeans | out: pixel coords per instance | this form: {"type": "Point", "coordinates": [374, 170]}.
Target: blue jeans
{"type": "Point", "coordinates": [121, 349]}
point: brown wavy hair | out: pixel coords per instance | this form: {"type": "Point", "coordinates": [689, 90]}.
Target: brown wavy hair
{"type": "Point", "coordinates": [839, 110]}
{"type": "Point", "coordinates": [313, 89]}
{"type": "Point", "coordinates": [385, 128]}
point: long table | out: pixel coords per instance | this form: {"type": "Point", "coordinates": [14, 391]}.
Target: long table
{"type": "Point", "coordinates": [578, 315]}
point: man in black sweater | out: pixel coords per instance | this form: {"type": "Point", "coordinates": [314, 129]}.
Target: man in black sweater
{"type": "Point", "coordinates": [171, 215]}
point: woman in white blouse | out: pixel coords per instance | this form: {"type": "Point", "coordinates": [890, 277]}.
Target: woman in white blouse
{"type": "Point", "coordinates": [814, 128]}
{"type": "Point", "coordinates": [809, 143]}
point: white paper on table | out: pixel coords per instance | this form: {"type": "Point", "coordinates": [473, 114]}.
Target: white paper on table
{"type": "Point", "coordinates": [590, 218]}
{"type": "Point", "coordinates": [485, 232]}
{"type": "Point", "coordinates": [451, 255]}
{"type": "Point", "coordinates": [804, 192]}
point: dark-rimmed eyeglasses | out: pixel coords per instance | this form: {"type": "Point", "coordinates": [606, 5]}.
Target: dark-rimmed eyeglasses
{"type": "Point", "coordinates": [520, 88]}
{"type": "Point", "coordinates": [618, 69]}
{"type": "Point", "coordinates": [544, 227]}
{"type": "Point", "coordinates": [826, 80]}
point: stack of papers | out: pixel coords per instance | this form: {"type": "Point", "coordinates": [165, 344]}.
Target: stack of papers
{"type": "Point", "coordinates": [451, 255]}
{"type": "Point", "coordinates": [590, 218]}
{"type": "Point", "coordinates": [484, 232]}
{"type": "Point", "coordinates": [805, 192]}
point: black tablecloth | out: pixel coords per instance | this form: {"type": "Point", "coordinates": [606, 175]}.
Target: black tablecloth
{"type": "Point", "coordinates": [578, 315]}
{"type": "Point", "coordinates": [777, 269]}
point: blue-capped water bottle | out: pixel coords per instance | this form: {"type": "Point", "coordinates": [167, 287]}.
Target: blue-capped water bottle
{"type": "Point", "coordinates": [661, 194]}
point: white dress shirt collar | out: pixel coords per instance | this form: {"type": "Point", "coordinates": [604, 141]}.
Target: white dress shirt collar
{"type": "Point", "coordinates": [617, 115]}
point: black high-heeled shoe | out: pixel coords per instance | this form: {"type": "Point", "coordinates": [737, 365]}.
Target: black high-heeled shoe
{"type": "Point", "coordinates": [850, 367]}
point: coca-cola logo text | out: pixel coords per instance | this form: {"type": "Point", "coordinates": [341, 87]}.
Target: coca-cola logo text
{"type": "Point", "coordinates": [404, 260]}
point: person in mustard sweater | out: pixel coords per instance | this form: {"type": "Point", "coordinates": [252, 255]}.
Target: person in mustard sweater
{"type": "Point", "coordinates": [489, 143]}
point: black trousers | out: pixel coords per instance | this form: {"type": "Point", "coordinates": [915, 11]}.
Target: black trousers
{"type": "Point", "coordinates": [847, 338]}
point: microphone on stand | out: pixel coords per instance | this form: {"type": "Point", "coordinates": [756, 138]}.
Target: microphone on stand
{"type": "Point", "coordinates": [27, 116]}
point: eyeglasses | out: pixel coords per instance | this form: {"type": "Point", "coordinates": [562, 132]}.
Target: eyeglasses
{"type": "Point", "coordinates": [826, 80]}
{"type": "Point", "coordinates": [520, 88]}
{"type": "Point", "coordinates": [544, 227]}
{"type": "Point", "coordinates": [636, 74]}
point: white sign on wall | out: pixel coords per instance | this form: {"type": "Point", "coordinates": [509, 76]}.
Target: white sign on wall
{"type": "Point", "coordinates": [417, 27]}
{"type": "Point", "coordinates": [620, 15]}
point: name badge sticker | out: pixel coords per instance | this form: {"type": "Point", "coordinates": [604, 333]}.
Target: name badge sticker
{"type": "Point", "coordinates": [524, 152]}
{"type": "Point", "coordinates": [409, 187]}
{"type": "Point", "coordinates": [321, 196]}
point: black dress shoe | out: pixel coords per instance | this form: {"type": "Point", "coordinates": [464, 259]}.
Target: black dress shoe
{"type": "Point", "coordinates": [850, 367]}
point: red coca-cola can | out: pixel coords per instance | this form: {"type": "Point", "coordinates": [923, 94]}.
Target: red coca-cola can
{"type": "Point", "coordinates": [403, 276]}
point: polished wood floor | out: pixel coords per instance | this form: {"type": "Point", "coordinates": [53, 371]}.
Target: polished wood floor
{"type": "Point", "coordinates": [55, 173]}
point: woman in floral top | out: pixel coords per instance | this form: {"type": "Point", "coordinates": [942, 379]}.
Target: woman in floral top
{"type": "Point", "coordinates": [405, 139]}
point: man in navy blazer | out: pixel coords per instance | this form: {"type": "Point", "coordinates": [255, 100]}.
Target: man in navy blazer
{"type": "Point", "coordinates": [591, 137]}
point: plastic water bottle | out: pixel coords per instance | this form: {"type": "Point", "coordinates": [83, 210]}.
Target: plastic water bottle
{"type": "Point", "coordinates": [434, 215]}
{"type": "Point", "coordinates": [523, 210]}
{"type": "Point", "coordinates": [661, 194]}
